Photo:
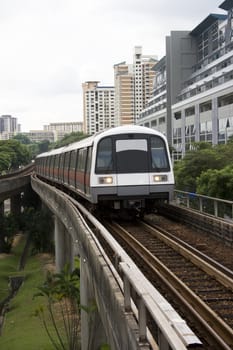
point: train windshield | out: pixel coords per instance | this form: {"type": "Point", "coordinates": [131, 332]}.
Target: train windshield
{"type": "Point", "coordinates": [134, 154]}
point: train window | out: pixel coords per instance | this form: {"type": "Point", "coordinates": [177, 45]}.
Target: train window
{"type": "Point", "coordinates": [51, 166]}
{"type": "Point", "coordinates": [132, 155]}
{"type": "Point", "coordinates": [62, 160]}
{"type": "Point", "coordinates": [46, 165]}
{"type": "Point", "coordinates": [73, 158]}
{"type": "Point", "coordinates": [89, 154]}
{"type": "Point", "coordinates": [159, 154]}
{"type": "Point", "coordinates": [61, 167]}
{"type": "Point", "coordinates": [82, 154]}
{"type": "Point", "coordinates": [104, 160]}
{"type": "Point", "coordinates": [67, 160]}
{"type": "Point", "coordinates": [56, 165]}
{"type": "Point", "coordinates": [56, 161]}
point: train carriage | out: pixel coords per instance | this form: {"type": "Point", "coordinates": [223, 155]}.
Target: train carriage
{"type": "Point", "coordinates": [123, 168]}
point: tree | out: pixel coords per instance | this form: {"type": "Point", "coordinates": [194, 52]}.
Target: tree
{"type": "Point", "coordinates": [193, 164]}
{"type": "Point", "coordinates": [62, 291]}
{"type": "Point", "coordinates": [5, 161]}
{"type": "Point", "coordinates": [70, 138]}
{"type": "Point", "coordinates": [38, 224]}
{"type": "Point", "coordinates": [8, 229]}
{"type": "Point", "coordinates": [22, 138]}
{"type": "Point", "coordinates": [217, 183]}
{"type": "Point", "coordinates": [43, 146]}
{"type": "Point", "coordinates": [13, 155]}
{"type": "Point", "coordinates": [201, 167]}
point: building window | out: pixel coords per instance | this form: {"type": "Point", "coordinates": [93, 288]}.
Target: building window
{"type": "Point", "coordinates": [204, 107]}
{"type": "Point", "coordinates": [161, 120]}
{"type": "Point", "coordinates": [189, 111]}
{"type": "Point", "coordinates": [177, 115]}
{"type": "Point", "coordinates": [225, 100]}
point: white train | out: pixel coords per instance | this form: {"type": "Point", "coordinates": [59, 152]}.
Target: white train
{"type": "Point", "coordinates": [123, 168]}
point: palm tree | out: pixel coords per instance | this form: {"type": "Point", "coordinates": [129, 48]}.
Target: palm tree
{"type": "Point", "coordinates": [62, 291]}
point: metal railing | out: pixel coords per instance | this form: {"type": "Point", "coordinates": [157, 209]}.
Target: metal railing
{"type": "Point", "coordinates": [217, 207]}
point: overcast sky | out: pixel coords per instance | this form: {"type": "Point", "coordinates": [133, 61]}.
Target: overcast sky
{"type": "Point", "coordinates": [48, 48]}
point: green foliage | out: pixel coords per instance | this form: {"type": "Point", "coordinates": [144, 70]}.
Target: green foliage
{"type": "Point", "coordinates": [39, 225]}
{"type": "Point", "coordinates": [200, 160]}
{"type": "Point", "coordinates": [43, 146]}
{"type": "Point", "coordinates": [13, 154]}
{"type": "Point", "coordinates": [198, 146]}
{"type": "Point", "coordinates": [8, 229]}
{"type": "Point", "coordinates": [34, 148]}
{"type": "Point", "coordinates": [5, 161]}
{"type": "Point", "coordinates": [191, 166]}
{"type": "Point", "coordinates": [69, 138]}
{"type": "Point", "coordinates": [105, 347]}
{"type": "Point", "coordinates": [21, 329]}
{"type": "Point", "coordinates": [62, 291]}
{"type": "Point", "coordinates": [22, 138]}
{"type": "Point", "coordinates": [216, 183]}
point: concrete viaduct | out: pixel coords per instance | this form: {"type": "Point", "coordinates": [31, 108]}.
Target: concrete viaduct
{"type": "Point", "coordinates": [113, 322]}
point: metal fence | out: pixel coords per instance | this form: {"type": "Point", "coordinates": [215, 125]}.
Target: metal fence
{"type": "Point", "coordinates": [214, 206]}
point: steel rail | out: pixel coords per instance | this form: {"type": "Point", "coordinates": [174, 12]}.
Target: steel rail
{"type": "Point", "coordinates": [219, 331]}
{"type": "Point", "coordinates": [214, 263]}
{"type": "Point", "coordinates": [173, 330]}
{"type": "Point", "coordinates": [212, 268]}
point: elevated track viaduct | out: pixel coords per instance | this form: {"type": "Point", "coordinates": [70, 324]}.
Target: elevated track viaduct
{"type": "Point", "coordinates": [114, 322]}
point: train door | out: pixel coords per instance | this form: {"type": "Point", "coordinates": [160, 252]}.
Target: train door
{"type": "Point", "coordinates": [132, 164]}
{"type": "Point", "coordinates": [51, 167]}
{"type": "Point", "coordinates": [61, 168]}
{"type": "Point", "coordinates": [72, 170]}
{"type": "Point", "coordinates": [80, 174]}
{"type": "Point", "coordinates": [87, 171]}
{"type": "Point", "coordinates": [56, 166]}
{"type": "Point", "coordinates": [66, 167]}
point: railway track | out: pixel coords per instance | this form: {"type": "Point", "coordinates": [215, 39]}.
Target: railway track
{"type": "Point", "coordinates": [200, 293]}
{"type": "Point", "coordinates": [200, 288]}
{"type": "Point", "coordinates": [20, 172]}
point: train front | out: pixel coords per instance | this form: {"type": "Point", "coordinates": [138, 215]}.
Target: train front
{"type": "Point", "coordinates": [132, 171]}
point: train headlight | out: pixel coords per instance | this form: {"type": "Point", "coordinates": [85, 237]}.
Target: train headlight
{"type": "Point", "coordinates": [106, 180]}
{"type": "Point", "coordinates": [160, 178]}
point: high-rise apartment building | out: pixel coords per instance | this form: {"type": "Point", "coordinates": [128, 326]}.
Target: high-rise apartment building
{"type": "Point", "coordinates": [98, 107]}
{"type": "Point", "coordinates": [124, 94]}
{"type": "Point", "coordinates": [61, 129]}
{"type": "Point", "coordinates": [8, 127]}
{"type": "Point", "coordinates": [193, 87]}
{"type": "Point", "coordinates": [133, 86]}
{"type": "Point", "coordinates": [41, 135]}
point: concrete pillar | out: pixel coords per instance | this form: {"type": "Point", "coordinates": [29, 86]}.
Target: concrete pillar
{"type": "Point", "coordinates": [215, 121]}
{"type": "Point", "coordinates": [64, 251]}
{"type": "Point", "coordinates": [197, 122]}
{"type": "Point", "coordinates": [92, 330]}
{"type": "Point", "coordinates": [183, 132]}
{"type": "Point", "coordinates": [16, 204]}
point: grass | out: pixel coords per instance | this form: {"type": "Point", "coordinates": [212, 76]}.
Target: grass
{"type": "Point", "coordinates": [21, 329]}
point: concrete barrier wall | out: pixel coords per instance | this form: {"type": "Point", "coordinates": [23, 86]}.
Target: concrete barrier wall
{"type": "Point", "coordinates": [121, 329]}
{"type": "Point", "coordinates": [9, 187]}
{"type": "Point", "coordinates": [215, 226]}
